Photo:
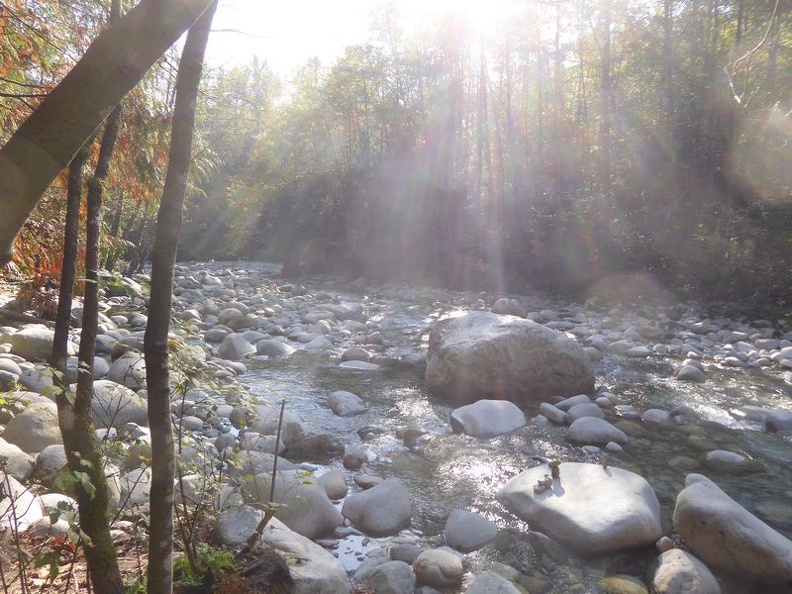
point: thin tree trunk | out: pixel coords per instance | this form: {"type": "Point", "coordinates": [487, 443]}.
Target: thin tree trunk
{"type": "Point", "coordinates": [48, 140]}
{"type": "Point", "coordinates": [169, 220]}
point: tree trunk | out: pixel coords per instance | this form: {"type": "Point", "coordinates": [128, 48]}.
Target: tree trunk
{"type": "Point", "coordinates": [169, 220]}
{"type": "Point", "coordinates": [113, 64]}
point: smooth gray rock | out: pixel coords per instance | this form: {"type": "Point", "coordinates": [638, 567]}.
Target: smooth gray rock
{"type": "Point", "coordinates": [273, 348]}
{"type": "Point", "coordinates": [115, 405]}
{"type": "Point", "coordinates": [382, 510]}
{"type": "Point", "coordinates": [466, 531]}
{"type": "Point", "coordinates": [305, 506]}
{"type": "Point", "coordinates": [489, 582]}
{"type": "Point", "coordinates": [552, 413]}
{"type": "Point", "coordinates": [346, 404]}
{"type": "Point", "coordinates": [318, 571]}
{"type": "Point", "coordinates": [584, 409]}
{"type": "Point", "coordinates": [234, 347]}
{"type": "Point", "coordinates": [481, 355]}
{"type": "Point", "coordinates": [588, 508]}
{"type": "Point", "coordinates": [34, 428]}
{"type": "Point", "coordinates": [487, 418]}
{"type": "Point", "coordinates": [679, 572]}
{"type": "Point", "coordinates": [438, 568]}
{"type": "Point", "coordinates": [129, 370]}
{"type": "Point", "coordinates": [727, 537]}
{"type": "Point", "coordinates": [19, 508]}
{"type": "Point", "coordinates": [691, 373]}
{"type": "Point", "coordinates": [33, 343]}
{"type": "Point", "coordinates": [334, 484]}
{"type": "Point", "coordinates": [594, 431]}
{"type": "Point", "coordinates": [236, 525]}
{"type": "Point", "coordinates": [509, 307]}
{"type": "Point", "coordinates": [19, 464]}
{"type": "Point", "coordinates": [390, 577]}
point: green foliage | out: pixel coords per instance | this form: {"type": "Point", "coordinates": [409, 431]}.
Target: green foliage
{"type": "Point", "coordinates": [210, 561]}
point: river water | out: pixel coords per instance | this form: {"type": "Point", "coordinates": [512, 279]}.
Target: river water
{"type": "Point", "coordinates": [406, 434]}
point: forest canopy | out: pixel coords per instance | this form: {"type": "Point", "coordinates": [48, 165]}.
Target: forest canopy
{"type": "Point", "coordinates": [584, 141]}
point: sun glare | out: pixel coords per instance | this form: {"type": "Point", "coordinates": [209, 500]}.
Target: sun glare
{"type": "Point", "coordinates": [287, 34]}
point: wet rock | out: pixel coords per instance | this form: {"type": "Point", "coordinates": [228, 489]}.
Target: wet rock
{"type": "Point", "coordinates": [728, 461]}
{"type": "Point", "coordinates": [679, 572]}
{"type": "Point", "coordinates": [588, 508]}
{"type": "Point", "coordinates": [489, 582]}
{"type": "Point", "coordinates": [691, 373]}
{"type": "Point", "coordinates": [354, 365]}
{"type": "Point", "coordinates": [346, 404]}
{"type": "Point", "coordinates": [381, 510]}
{"type": "Point", "coordinates": [316, 447]}
{"type": "Point", "coordinates": [438, 568]}
{"type": "Point", "coordinates": [594, 431]}
{"type": "Point", "coordinates": [623, 584]}
{"type": "Point", "coordinates": [273, 348]}
{"type": "Point", "coordinates": [355, 458]}
{"type": "Point", "coordinates": [481, 355]}
{"type": "Point", "coordinates": [727, 537]}
{"type": "Point", "coordinates": [390, 577]}
{"type": "Point", "coordinates": [552, 413]}
{"type": "Point", "coordinates": [466, 531]}
{"type": "Point", "coordinates": [487, 418]}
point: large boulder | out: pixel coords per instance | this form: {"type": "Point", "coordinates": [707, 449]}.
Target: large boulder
{"type": "Point", "coordinates": [33, 343]}
{"type": "Point", "coordinates": [115, 405]}
{"type": "Point", "coordinates": [466, 531]}
{"type": "Point", "coordinates": [34, 428]}
{"type": "Point", "coordinates": [19, 507]}
{"type": "Point", "coordinates": [727, 537]}
{"type": "Point", "coordinates": [304, 505]}
{"type": "Point", "coordinates": [589, 508]}
{"type": "Point", "coordinates": [317, 571]}
{"type": "Point", "coordinates": [481, 355]}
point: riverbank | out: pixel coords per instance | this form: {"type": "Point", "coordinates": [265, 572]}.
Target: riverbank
{"type": "Point", "coordinates": [252, 340]}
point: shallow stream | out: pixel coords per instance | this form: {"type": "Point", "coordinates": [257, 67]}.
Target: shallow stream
{"type": "Point", "coordinates": [408, 437]}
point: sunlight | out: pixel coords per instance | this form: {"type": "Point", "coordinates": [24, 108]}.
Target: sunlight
{"type": "Point", "coordinates": [481, 18]}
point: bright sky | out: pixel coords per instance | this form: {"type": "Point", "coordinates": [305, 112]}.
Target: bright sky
{"type": "Point", "coordinates": [288, 32]}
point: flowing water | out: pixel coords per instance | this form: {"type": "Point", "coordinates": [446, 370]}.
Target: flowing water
{"type": "Point", "coordinates": [408, 437]}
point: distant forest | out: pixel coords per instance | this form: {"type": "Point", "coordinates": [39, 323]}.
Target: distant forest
{"type": "Point", "coordinates": [639, 145]}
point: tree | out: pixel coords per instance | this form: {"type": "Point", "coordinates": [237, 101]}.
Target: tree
{"type": "Point", "coordinates": [160, 570]}
{"type": "Point", "coordinates": [114, 63]}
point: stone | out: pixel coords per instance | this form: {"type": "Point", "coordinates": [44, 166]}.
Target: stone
{"type": "Point", "coordinates": [346, 404]}
{"type": "Point", "coordinates": [390, 577]}
{"type": "Point", "coordinates": [236, 525]}
{"type": "Point", "coordinates": [318, 571]}
{"type": "Point", "coordinates": [273, 348]}
{"type": "Point", "coordinates": [587, 508]}
{"type": "Point", "coordinates": [234, 347]}
{"type": "Point", "coordinates": [19, 464]}
{"type": "Point", "coordinates": [691, 373]}
{"type": "Point", "coordinates": [725, 460]}
{"type": "Point", "coordinates": [679, 572]}
{"type": "Point", "coordinates": [115, 405]}
{"type": "Point", "coordinates": [382, 510]}
{"type": "Point", "coordinates": [354, 365]}
{"type": "Point", "coordinates": [19, 508]}
{"type": "Point", "coordinates": [49, 462]}
{"type": "Point", "coordinates": [656, 416]}
{"type": "Point", "coordinates": [334, 484]}
{"type": "Point", "coordinates": [490, 582]}
{"type": "Point", "coordinates": [320, 447]}
{"type": "Point", "coordinates": [594, 431]}
{"type": "Point", "coordinates": [622, 584]}
{"type": "Point", "coordinates": [487, 418]}
{"type": "Point", "coordinates": [727, 537]}
{"type": "Point", "coordinates": [584, 409]}
{"type": "Point", "coordinates": [129, 370]}
{"type": "Point", "coordinates": [34, 428]}
{"type": "Point", "coordinates": [33, 343]}
{"type": "Point", "coordinates": [304, 505]}
{"type": "Point", "coordinates": [466, 531]}
{"type": "Point", "coordinates": [509, 307]}
{"type": "Point", "coordinates": [481, 355]}
{"type": "Point", "coordinates": [552, 413]}
{"type": "Point", "coordinates": [438, 568]}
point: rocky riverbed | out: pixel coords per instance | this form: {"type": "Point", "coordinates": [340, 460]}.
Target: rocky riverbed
{"type": "Point", "coordinates": [670, 474]}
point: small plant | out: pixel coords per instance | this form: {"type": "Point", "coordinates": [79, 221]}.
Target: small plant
{"type": "Point", "coordinates": [210, 563]}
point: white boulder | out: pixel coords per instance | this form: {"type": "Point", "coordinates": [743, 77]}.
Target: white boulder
{"type": "Point", "coordinates": [487, 418]}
